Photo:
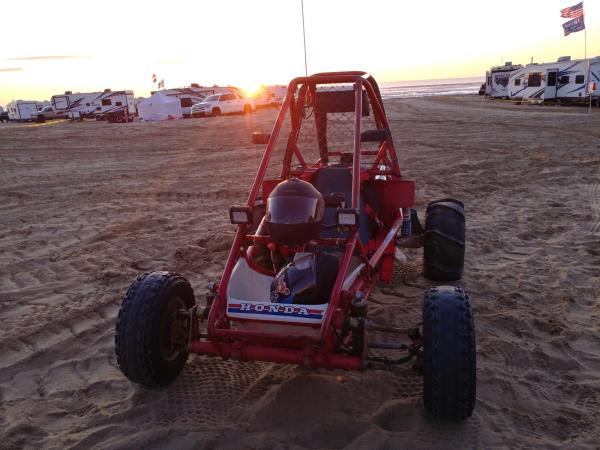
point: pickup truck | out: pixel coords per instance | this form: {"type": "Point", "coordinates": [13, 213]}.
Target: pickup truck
{"type": "Point", "coordinates": [48, 113]}
{"type": "Point", "coordinates": [228, 103]}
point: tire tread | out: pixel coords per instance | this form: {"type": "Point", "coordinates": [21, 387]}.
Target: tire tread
{"type": "Point", "coordinates": [137, 324]}
{"type": "Point", "coordinates": [449, 384]}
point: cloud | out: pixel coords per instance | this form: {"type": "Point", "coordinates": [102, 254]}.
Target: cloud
{"type": "Point", "coordinates": [44, 58]}
{"type": "Point", "coordinates": [11, 69]}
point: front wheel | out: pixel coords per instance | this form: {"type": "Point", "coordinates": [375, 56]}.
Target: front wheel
{"type": "Point", "coordinates": [215, 112]}
{"type": "Point", "coordinates": [449, 365]}
{"type": "Point", "coordinates": [149, 339]}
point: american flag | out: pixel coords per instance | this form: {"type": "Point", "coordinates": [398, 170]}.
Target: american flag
{"type": "Point", "coordinates": [572, 11]}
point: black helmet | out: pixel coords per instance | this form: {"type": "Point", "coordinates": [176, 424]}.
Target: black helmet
{"type": "Point", "coordinates": [308, 280]}
{"type": "Point", "coordinates": [294, 212]}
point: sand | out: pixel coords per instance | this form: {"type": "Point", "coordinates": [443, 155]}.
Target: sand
{"type": "Point", "coordinates": [86, 207]}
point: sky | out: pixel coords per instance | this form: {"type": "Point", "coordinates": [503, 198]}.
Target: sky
{"type": "Point", "coordinates": [49, 47]}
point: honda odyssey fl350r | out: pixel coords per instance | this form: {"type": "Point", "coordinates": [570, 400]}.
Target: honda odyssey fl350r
{"type": "Point", "coordinates": [312, 240]}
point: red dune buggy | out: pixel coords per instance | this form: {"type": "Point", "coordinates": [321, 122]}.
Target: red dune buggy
{"type": "Point", "coordinates": [311, 243]}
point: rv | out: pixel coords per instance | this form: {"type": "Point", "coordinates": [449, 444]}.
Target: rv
{"type": "Point", "coordinates": [93, 104]}
{"type": "Point", "coordinates": [497, 80]}
{"type": "Point", "coordinates": [564, 80]}
{"type": "Point", "coordinates": [22, 110]}
{"type": "Point", "coordinates": [189, 96]}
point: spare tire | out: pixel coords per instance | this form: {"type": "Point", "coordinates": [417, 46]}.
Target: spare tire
{"type": "Point", "coordinates": [444, 240]}
{"type": "Point", "coordinates": [260, 138]}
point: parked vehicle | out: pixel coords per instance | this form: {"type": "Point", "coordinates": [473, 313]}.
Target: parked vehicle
{"type": "Point", "coordinates": [3, 115]}
{"type": "Point", "coordinates": [497, 80]}
{"type": "Point", "coordinates": [310, 246]}
{"type": "Point", "coordinates": [49, 113]}
{"type": "Point", "coordinates": [22, 110]}
{"type": "Point", "coordinates": [563, 80]}
{"type": "Point", "coordinates": [228, 103]}
{"type": "Point", "coordinates": [189, 96]}
{"type": "Point", "coordinates": [91, 104]}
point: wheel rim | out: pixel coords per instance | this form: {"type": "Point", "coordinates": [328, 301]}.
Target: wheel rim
{"type": "Point", "coordinates": [168, 322]}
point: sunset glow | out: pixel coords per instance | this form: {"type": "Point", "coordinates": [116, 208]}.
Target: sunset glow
{"type": "Point", "coordinates": [251, 90]}
{"type": "Point", "coordinates": [247, 44]}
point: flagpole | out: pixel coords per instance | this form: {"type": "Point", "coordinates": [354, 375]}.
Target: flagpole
{"type": "Point", "coordinates": [584, 31]}
{"type": "Point", "coordinates": [304, 38]}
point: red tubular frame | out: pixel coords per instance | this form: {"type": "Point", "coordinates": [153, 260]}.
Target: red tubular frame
{"type": "Point", "coordinates": [357, 130]}
{"type": "Point", "coordinates": [305, 350]}
{"type": "Point", "coordinates": [308, 357]}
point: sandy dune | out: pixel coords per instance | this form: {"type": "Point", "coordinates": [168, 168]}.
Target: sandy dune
{"type": "Point", "coordinates": [86, 207]}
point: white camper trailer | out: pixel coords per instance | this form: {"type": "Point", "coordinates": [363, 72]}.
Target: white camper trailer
{"type": "Point", "coordinates": [22, 110]}
{"type": "Point", "coordinates": [497, 78]}
{"type": "Point", "coordinates": [189, 96]}
{"type": "Point", "coordinates": [564, 80]}
{"type": "Point", "coordinates": [93, 104]}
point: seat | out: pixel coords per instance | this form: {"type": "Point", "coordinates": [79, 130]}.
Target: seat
{"type": "Point", "coordinates": [338, 180]}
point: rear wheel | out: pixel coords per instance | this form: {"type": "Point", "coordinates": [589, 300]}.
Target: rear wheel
{"type": "Point", "coordinates": [449, 365]}
{"type": "Point", "coordinates": [247, 109]}
{"type": "Point", "coordinates": [444, 240]}
{"type": "Point", "coordinates": [149, 340]}
{"type": "Point", "coordinates": [215, 112]}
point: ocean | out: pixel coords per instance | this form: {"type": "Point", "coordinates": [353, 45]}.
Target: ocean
{"type": "Point", "coordinates": [424, 88]}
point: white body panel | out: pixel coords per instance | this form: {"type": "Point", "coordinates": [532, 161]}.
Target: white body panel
{"type": "Point", "coordinates": [248, 297]}
{"type": "Point", "coordinates": [536, 82]}
{"type": "Point", "coordinates": [230, 104]}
